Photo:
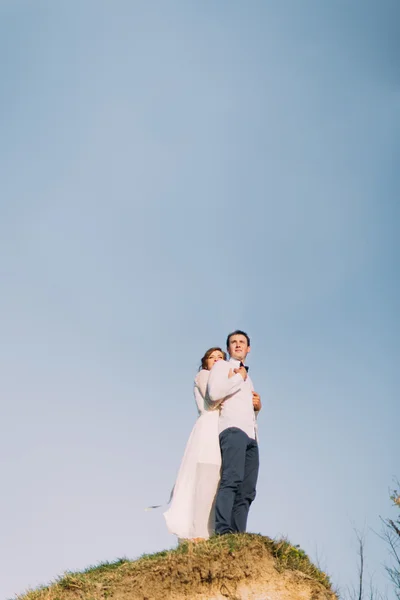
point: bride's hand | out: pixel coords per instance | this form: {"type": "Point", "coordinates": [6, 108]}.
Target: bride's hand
{"type": "Point", "coordinates": [231, 373]}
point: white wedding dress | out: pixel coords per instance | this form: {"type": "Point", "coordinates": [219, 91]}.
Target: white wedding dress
{"type": "Point", "coordinates": [191, 513]}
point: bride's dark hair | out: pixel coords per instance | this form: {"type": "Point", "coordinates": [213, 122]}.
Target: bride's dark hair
{"type": "Point", "coordinates": [208, 354]}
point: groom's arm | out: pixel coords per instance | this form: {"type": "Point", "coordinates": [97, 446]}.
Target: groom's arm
{"type": "Point", "coordinates": [256, 399]}
{"type": "Point", "coordinates": [256, 403]}
{"type": "Point", "coordinates": [220, 384]}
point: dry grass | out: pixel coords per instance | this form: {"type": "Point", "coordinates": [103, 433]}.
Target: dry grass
{"type": "Point", "coordinates": [188, 568]}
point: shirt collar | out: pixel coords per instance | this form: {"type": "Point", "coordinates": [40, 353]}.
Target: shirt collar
{"type": "Point", "coordinates": [234, 362]}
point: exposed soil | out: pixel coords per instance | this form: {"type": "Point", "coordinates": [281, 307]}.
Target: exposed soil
{"type": "Point", "coordinates": [248, 567]}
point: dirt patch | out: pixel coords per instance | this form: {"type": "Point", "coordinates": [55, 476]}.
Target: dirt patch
{"type": "Point", "coordinates": [248, 567]}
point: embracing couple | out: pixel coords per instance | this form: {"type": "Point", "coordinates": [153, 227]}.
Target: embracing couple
{"type": "Point", "coordinates": [216, 483]}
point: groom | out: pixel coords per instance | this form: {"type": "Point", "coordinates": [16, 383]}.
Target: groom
{"type": "Point", "coordinates": [230, 386]}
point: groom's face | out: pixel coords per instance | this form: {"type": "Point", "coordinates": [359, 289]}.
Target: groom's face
{"type": "Point", "coordinates": [238, 347]}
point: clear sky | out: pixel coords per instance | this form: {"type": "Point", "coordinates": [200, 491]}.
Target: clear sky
{"type": "Point", "coordinates": [170, 171]}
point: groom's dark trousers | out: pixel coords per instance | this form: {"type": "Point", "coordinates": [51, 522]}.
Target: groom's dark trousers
{"type": "Point", "coordinates": [237, 488]}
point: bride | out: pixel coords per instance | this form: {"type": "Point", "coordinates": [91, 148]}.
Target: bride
{"type": "Point", "coordinates": [191, 513]}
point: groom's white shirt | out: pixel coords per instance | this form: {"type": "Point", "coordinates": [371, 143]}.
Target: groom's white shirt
{"type": "Point", "coordinates": [236, 409]}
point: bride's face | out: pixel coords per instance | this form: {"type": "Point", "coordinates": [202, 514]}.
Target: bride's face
{"type": "Point", "coordinates": [213, 358]}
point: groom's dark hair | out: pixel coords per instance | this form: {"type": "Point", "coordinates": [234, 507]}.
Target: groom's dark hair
{"type": "Point", "coordinates": [237, 332]}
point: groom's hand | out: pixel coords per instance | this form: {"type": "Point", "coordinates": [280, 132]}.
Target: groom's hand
{"type": "Point", "coordinates": [256, 401]}
{"type": "Point", "coordinates": [242, 371]}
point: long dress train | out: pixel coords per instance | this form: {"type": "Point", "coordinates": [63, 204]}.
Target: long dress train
{"type": "Point", "coordinates": [191, 513]}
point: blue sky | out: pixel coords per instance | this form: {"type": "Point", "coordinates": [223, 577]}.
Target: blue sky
{"type": "Point", "coordinates": [171, 171]}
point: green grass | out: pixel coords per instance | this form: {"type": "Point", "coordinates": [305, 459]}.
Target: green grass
{"type": "Point", "coordinates": [99, 581]}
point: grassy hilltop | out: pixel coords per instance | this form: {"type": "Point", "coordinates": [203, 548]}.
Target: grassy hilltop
{"type": "Point", "coordinates": [231, 566]}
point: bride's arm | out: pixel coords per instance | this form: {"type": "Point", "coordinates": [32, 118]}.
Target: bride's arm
{"type": "Point", "coordinates": [222, 382]}
{"type": "Point", "coordinates": [200, 392]}
{"type": "Point", "coordinates": [201, 381]}
{"type": "Point", "coordinates": [200, 388]}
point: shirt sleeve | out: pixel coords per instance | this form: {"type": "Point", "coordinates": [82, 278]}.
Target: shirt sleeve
{"type": "Point", "coordinates": [219, 384]}
{"type": "Point", "coordinates": [256, 412]}
{"type": "Point", "coordinates": [201, 381]}
{"type": "Point", "coordinates": [200, 389]}
{"type": "Point", "coordinates": [251, 383]}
